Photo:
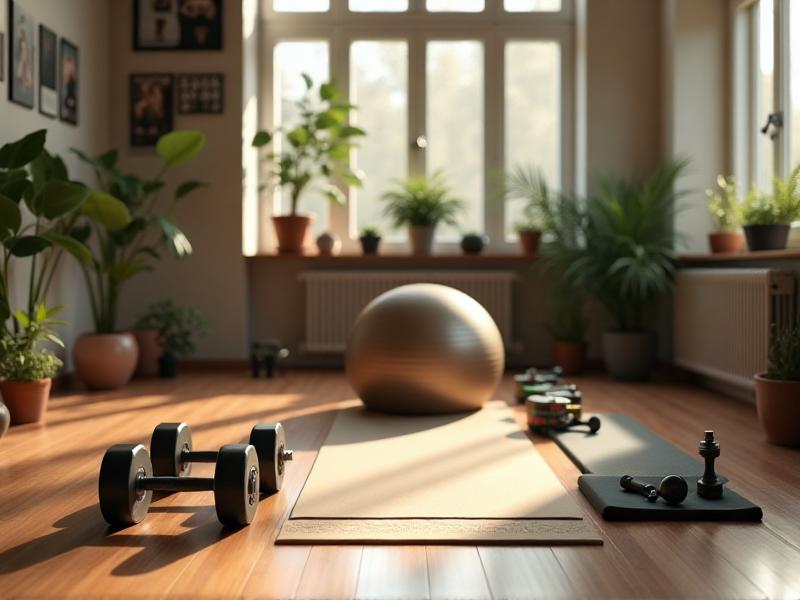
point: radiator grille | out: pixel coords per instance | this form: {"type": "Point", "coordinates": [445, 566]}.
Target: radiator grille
{"type": "Point", "coordinates": [335, 298]}
{"type": "Point", "coordinates": [724, 319]}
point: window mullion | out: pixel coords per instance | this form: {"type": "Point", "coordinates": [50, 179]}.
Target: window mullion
{"type": "Point", "coordinates": [340, 74]}
{"type": "Point", "coordinates": [494, 136]}
{"type": "Point", "coordinates": [782, 86]}
{"type": "Point", "coordinates": [417, 82]}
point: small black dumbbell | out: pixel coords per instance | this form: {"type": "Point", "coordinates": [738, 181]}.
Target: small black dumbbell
{"type": "Point", "coordinates": [709, 486]}
{"type": "Point", "coordinates": [673, 488]}
{"type": "Point", "coordinates": [593, 423]}
{"type": "Point", "coordinates": [127, 484]}
{"type": "Point", "coordinates": [172, 453]}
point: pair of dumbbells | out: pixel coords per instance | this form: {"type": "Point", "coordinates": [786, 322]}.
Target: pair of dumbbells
{"type": "Point", "coordinates": [129, 476]}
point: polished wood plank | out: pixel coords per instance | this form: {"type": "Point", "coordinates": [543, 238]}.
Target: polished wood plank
{"type": "Point", "coordinates": [393, 573]}
{"type": "Point", "coordinates": [54, 543]}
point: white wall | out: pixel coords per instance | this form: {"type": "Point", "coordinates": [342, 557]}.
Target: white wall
{"type": "Point", "coordinates": [213, 278]}
{"type": "Point", "coordinates": [84, 23]}
{"type": "Point", "coordinates": [696, 84]}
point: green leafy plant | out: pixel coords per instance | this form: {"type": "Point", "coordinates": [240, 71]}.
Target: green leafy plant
{"type": "Point", "coordinates": [567, 321]}
{"type": "Point", "coordinates": [623, 255]}
{"type": "Point", "coordinates": [528, 185]}
{"type": "Point", "coordinates": [784, 355]}
{"type": "Point", "coordinates": [370, 231]}
{"type": "Point", "coordinates": [177, 326]}
{"type": "Point", "coordinates": [318, 146]}
{"type": "Point", "coordinates": [723, 204]}
{"type": "Point", "coordinates": [422, 201]}
{"type": "Point", "coordinates": [129, 234]}
{"type": "Point", "coordinates": [21, 358]}
{"type": "Point", "coordinates": [782, 207]}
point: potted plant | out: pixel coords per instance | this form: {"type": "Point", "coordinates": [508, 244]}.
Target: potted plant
{"type": "Point", "coordinates": [315, 148]}
{"type": "Point", "coordinates": [528, 185]}
{"type": "Point", "coordinates": [128, 242]}
{"type": "Point", "coordinates": [723, 205]}
{"type": "Point", "coordinates": [778, 390]}
{"type": "Point", "coordinates": [177, 327]}
{"type": "Point", "coordinates": [422, 203]}
{"type": "Point", "coordinates": [567, 326]}
{"type": "Point", "coordinates": [473, 243]}
{"type": "Point", "coordinates": [370, 239]}
{"type": "Point", "coordinates": [624, 258]}
{"type": "Point", "coordinates": [767, 218]}
{"type": "Point", "coordinates": [26, 370]}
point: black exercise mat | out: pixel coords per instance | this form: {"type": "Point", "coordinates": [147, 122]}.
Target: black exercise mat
{"type": "Point", "coordinates": [615, 504]}
{"type": "Point", "coordinates": [623, 446]}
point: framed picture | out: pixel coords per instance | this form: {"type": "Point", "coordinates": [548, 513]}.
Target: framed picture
{"type": "Point", "coordinates": [48, 69]}
{"type": "Point", "coordinates": [2, 56]}
{"type": "Point", "coordinates": [201, 93]}
{"type": "Point", "coordinates": [21, 55]}
{"type": "Point", "coordinates": [151, 107]}
{"type": "Point", "coordinates": [69, 87]}
{"type": "Point", "coordinates": [177, 24]}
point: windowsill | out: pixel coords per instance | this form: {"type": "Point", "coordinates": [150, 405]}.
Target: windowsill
{"type": "Point", "coordinates": [393, 258]}
{"type": "Point", "coordinates": [741, 256]}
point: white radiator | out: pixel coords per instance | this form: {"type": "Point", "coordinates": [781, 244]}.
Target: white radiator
{"type": "Point", "coordinates": [335, 298]}
{"type": "Point", "coordinates": [724, 319]}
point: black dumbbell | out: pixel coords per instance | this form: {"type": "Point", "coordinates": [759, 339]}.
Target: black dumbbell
{"type": "Point", "coordinates": [673, 488]}
{"type": "Point", "coordinates": [172, 453]}
{"type": "Point", "coordinates": [127, 484]}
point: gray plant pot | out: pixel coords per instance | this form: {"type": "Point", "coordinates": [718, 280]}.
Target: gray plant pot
{"type": "Point", "coordinates": [5, 419]}
{"type": "Point", "coordinates": [421, 237]}
{"type": "Point", "coordinates": [629, 356]}
{"type": "Point", "coordinates": [766, 237]}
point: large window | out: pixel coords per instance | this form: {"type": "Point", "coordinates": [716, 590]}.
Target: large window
{"type": "Point", "coordinates": [766, 91]}
{"type": "Point", "coordinates": [467, 88]}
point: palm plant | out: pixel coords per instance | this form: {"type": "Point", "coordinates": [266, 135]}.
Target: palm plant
{"type": "Point", "coordinates": [528, 185]}
{"type": "Point", "coordinates": [422, 201]}
{"type": "Point", "coordinates": [626, 259]}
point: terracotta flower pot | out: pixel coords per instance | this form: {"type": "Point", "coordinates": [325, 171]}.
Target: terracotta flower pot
{"type": "Point", "coordinates": [291, 231]}
{"type": "Point", "coordinates": [421, 237]}
{"type": "Point", "coordinates": [725, 241]}
{"type": "Point", "coordinates": [778, 404]}
{"type": "Point", "coordinates": [766, 237]}
{"type": "Point", "coordinates": [529, 242]}
{"type": "Point", "coordinates": [105, 361]}
{"type": "Point", "coordinates": [569, 356]}
{"type": "Point", "coordinates": [149, 351]}
{"type": "Point", "coordinates": [629, 356]}
{"type": "Point", "coordinates": [26, 400]}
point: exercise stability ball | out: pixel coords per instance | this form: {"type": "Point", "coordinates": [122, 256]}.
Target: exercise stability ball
{"type": "Point", "coordinates": [424, 349]}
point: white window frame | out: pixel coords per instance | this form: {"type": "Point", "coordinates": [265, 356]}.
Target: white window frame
{"type": "Point", "coordinates": [340, 27]}
{"type": "Point", "coordinates": [747, 117]}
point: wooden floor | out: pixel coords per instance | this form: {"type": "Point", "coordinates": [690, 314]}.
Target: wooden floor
{"type": "Point", "coordinates": [54, 543]}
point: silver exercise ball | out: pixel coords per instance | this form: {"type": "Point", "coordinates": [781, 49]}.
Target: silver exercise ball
{"type": "Point", "coordinates": [424, 349]}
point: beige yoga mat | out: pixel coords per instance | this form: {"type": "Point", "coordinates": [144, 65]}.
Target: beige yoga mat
{"type": "Point", "coordinates": [473, 477]}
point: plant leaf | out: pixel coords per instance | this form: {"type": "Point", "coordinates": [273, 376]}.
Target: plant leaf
{"type": "Point", "coordinates": [125, 269]}
{"type": "Point", "coordinates": [68, 243]}
{"type": "Point", "coordinates": [57, 198]}
{"type": "Point", "coordinates": [10, 217]}
{"type": "Point", "coordinates": [179, 147]}
{"type": "Point", "coordinates": [18, 154]}
{"type": "Point", "coordinates": [308, 80]}
{"type": "Point", "coordinates": [328, 91]}
{"type": "Point", "coordinates": [187, 188]}
{"type": "Point", "coordinates": [106, 210]}
{"type": "Point", "coordinates": [262, 138]}
{"type": "Point", "coordinates": [351, 131]}
{"type": "Point", "coordinates": [26, 245]}
{"type": "Point", "coordinates": [180, 243]}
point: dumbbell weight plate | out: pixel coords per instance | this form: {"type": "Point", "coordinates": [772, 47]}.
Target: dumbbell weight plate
{"type": "Point", "coordinates": [167, 443]}
{"type": "Point", "coordinates": [269, 441]}
{"type": "Point", "coordinates": [236, 480]}
{"type": "Point", "coordinates": [120, 502]}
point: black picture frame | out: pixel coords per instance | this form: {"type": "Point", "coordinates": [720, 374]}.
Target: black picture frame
{"type": "Point", "coordinates": [185, 25]}
{"type": "Point", "coordinates": [48, 71]}
{"type": "Point", "coordinates": [69, 80]}
{"type": "Point", "coordinates": [151, 107]}
{"type": "Point", "coordinates": [21, 56]}
{"type": "Point", "coordinates": [200, 93]}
